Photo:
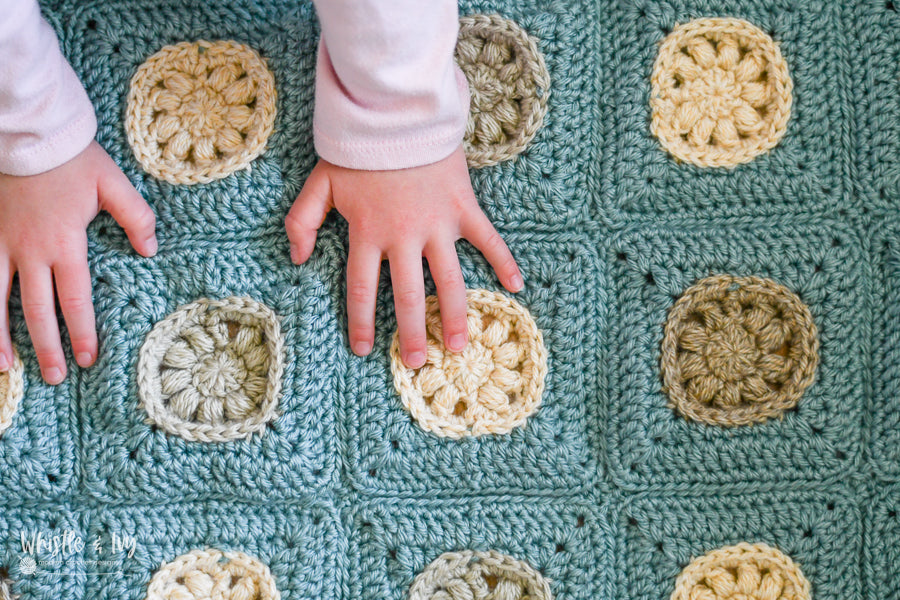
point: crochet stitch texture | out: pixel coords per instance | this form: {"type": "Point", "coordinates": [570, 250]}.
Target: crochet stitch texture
{"type": "Point", "coordinates": [608, 489]}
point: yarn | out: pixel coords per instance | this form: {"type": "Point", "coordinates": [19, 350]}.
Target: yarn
{"type": "Point", "coordinates": [737, 350]}
{"type": "Point", "coordinates": [755, 571]}
{"type": "Point", "coordinates": [721, 93]}
{"type": "Point", "coordinates": [508, 85]}
{"type": "Point", "coordinates": [11, 390]}
{"type": "Point", "coordinates": [213, 575]}
{"type": "Point", "coordinates": [492, 386]}
{"type": "Point", "coordinates": [211, 371]}
{"type": "Point", "coordinates": [198, 111]}
{"type": "Point", "coordinates": [472, 575]}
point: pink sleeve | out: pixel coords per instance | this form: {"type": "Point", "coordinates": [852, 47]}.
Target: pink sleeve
{"type": "Point", "coordinates": [46, 117]}
{"type": "Point", "coordinates": [389, 94]}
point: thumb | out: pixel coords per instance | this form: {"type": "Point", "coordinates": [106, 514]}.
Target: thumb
{"type": "Point", "coordinates": [119, 198]}
{"type": "Point", "coordinates": [307, 214]}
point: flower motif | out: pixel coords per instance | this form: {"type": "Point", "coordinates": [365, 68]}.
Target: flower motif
{"type": "Point", "coordinates": [738, 350]}
{"type": "Point", "coordinates": [211, 371]}
{"type": "Point", "coordinates": [12, 387]}
{"type": "Point", "coordinates": [721, 93]}
{"type": "Point", "coordinates": [742, 572]}
{"type": "Point", "coordinates": [472, 575]}
{"type": "Point", "coordinates": [508, 84]}
{"type": "Point", "coordinates": [492, 386]}
{"type": "Point", "coordinates": [200, 111]}
{"type": "Point", "coordinates": [211, 573]}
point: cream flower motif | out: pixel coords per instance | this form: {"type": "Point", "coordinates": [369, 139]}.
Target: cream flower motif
{"type": "Point", "coordinates": [721, 93]}
{"type": "Point", "coordinates": [211, 370]}
{"type": "Point", "coordinates": [492, 386]}
{"type": "Point", "coordinates": [200, 111]}
{"type": "Point", "coordinates": [213, 575]}
{"type": "Point", "coordinates": [12, 387]}
{"type": "Point", "coordinates": [738, 350]}
{"type": "Point", "coordinates": [470, 575]}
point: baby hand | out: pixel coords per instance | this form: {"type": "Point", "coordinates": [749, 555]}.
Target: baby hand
{"type": "Point", "coordinates": [43, 222]}
{"type": "Point", "coordinates": [402, 215]}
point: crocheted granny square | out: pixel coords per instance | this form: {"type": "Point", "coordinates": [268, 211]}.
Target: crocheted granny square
{"type": "Point", "coordinates": [568, 542]}
{"type": "Point", "coordinates": [386, 450]}
{"type": "Point", "coordinates": [132, 458]}
{"type": "Point", "coordinates": [805, 170]}
{"type": "Point", "coordinates": [820, 531]}
{"type": "Point", "coordinates": [882, 553]}
{"type": "Point", "coordinates": [651, 444]}
{"type": "Point", "coordinates": [277, 537]}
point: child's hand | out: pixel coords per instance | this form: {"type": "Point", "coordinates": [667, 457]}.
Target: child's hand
{"type": "Point", "coordinates": [43, 219]}
{"type": "Point", "coordinates": [402, 215]}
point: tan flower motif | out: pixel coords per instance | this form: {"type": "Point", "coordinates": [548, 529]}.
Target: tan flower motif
{"type": "Point", "coordinates": [12, 387]}
{"type": "Point", "coordinates": [213, 575]}
{"type": "Point", "coordinates": [721, 93]}
{"type": "Point", "coordinates": [211, 371]}
{"type": "Point", "coordinates": [737, 350]}
{"type": "Point", "coordinates": [469, 575]}
{"type": "Point", "coordinates": [742, 572]}
{"type": "Point", "coordinates": [508, 84]}
{"type": "Point", "coordinates": [492, 386]}
{"type": "Point", "coordinates": [200, 111]}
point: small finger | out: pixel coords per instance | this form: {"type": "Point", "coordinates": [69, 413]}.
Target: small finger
{"type": "Point", "coordinates": [363, 268]}
{"type": "Point", "coordinates": [409, 303]}
{"type": "Point", "coordinates": [119, 198]}
{"type": "Point", "coordinates": [451, 291]}
{"type": "Point", "coordinates": [73, 286]}
{"type": "Point", "coordinates": [6, 353]}
{"type": "Point", "coordinates": [307, 214]}
{"type": "Point", "coordinates": [480, 231]}
{"type": "Point", "coordinates": [40, 316]}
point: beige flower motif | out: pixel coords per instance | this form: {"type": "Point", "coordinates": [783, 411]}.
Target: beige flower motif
{"type": "Point", "coordinates": [492, 386]}
{"type": "Point", "coordinates": [470, 575]}
{"type": "Point", "coordinates": [738, 350]}
{"type": "Point", "coordinates": [200, 111]}
{"type": "Point", "coordinates": [12, 387]}
{"type": "Point", "coordinates": [721, 93]}
{"type": "Point", "coordinates": [213, 575]}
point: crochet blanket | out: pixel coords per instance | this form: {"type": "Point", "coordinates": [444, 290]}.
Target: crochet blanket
{"type": "Point", "coordinates": [696, 396]}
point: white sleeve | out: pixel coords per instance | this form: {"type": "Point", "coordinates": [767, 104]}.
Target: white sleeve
{"type": "Point", "coordinates": [46, 117]}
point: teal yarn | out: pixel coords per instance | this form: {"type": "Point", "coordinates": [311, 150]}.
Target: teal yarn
{"type": "Point", "coordinates": [606, 491]}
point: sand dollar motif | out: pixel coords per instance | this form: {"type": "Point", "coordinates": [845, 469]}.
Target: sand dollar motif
{"type": "Point", "coordinates": [213, 575]}
{"type": "Point", "coordinates": [492, 386]}
{"type": "Point", "coordinates": [199, 111]}
{"type": "Point", "coordinates": [742, 572]}
{"type": "Point", "coordinates": [508, 85]}
{"type": "Point", "coordinates": [721, 93]}
{"type": "Point", "coordinates": [472, 575]}
{"type": "Point", "coordinates": [737, 350]}
{"type": "Point", "coordinates": [211, 370]}
{"type": "Point", "coordinates": [12, 387]}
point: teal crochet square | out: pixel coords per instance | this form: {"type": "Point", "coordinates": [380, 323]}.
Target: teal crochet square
{"type": "Point", "coordinates": [132, 459]}
{"type": "Point", "coordinates": [819, 531]}
{"type": "Point", "coordinates": [885, 440]}
{"type": "Point", "coordinates": [106, 42]}
{"type": "Point", "coordinates": [41, 556]}
{"type": "Point", "coordinates": [649, 443]}
{"type": "Point", "coordinates": [875, 48]}
{"type": "Point", "coordinates": [279, 537]}
{"type": "Point", "coordinates": [806, 172]}
{"type": "Point", "coordinates": [38, 449]}
{"type": "Point", "coordinates": [387, 450]}
{"type": "Point", "coordinates": [550, 183]}
{"type": "Point", "coordinates": [569, 542]}
{"type": "Point", "coordinates": [882, 552]}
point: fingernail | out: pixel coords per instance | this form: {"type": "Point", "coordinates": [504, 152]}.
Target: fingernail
{"type": "Point", "coordinates": [293, 253]}
{"type": "Point", "coordinates": [517, 282]}
{"type": "Point", "coordinates": [457, 342]}
{"type": "Point", "coordinates": [152, 245]}
{"type": "Point", "coordinates": [4, 362]}
{"type": "Point", "coordinates": [361, 348]}
{"type": "Point", "coordinates": [53, 375]}
{"type": "Point", "coordinates": [83, 359]}
{"type": "Point", "coordinates": [416, 359]}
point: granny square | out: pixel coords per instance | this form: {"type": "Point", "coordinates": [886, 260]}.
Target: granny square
{"type": "Point", "coordinates": [385, 450]}
{"type": "Point", "coordinates": [130, 458]}
{"type": "Point", "coordinates": [568, 542]}
{"type": "Point", "coordinates": [820, 531]}
{"type": "Point", "coordinates": [806, 172]}
{"type": "Point", "coordinates": [302, 545]}
{"type": "Point", "coordinates": [882, 553]}
{"type": "Point", "coordinates": [649, 444]}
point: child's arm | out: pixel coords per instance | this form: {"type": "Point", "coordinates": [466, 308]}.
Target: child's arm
{"type": "Point", "coordinates": [391, 110]}
{"type": "Point", "coordinates": [53, 181]}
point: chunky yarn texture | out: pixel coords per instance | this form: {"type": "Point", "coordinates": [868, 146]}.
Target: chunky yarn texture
{"type": "Point", "coordinates": [695, 395]}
